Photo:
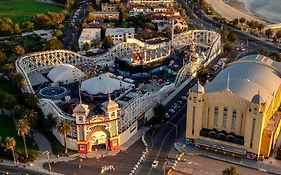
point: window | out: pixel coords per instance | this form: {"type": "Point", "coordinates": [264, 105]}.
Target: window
{"type": "Point", "coordinates": [194, 99]}
{"type": "Point", "coordinates": [224, 117]}
{"type": "Point", "coordinates": [255, 111]}
{"type": "Point", "coordinates": [216, 113]}
{"type": "Point", "coordinates": [208, 115]}
{"type": "Point", "coordinates": [252, 132]}
{"type": "Point", "coordinates": [82, 147]}
{"type": "Point", "coordinates": [80, 118]}
{"type": "Point", "coordinates": [241, 125]}
{"type": "Point", "coordinates": [81, 133]}
{"type": "Point", "coordinates": [193, 119]}
{"type": "Point", "coordinates": [233, 123]}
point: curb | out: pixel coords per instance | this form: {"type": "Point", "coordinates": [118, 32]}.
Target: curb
{"type": "Point", "coordinates": [229, 161]}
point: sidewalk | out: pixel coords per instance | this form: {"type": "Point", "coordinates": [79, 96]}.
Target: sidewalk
{"type": "Point", "coordinates": [258, 165]}
{"type": "Point", "coordinates": [43, 144]}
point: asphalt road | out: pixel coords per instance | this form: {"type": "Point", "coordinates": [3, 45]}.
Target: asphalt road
{"type": "Point", "coordinates": [71, 33]}
{"type": "Point", "coordinates": [122, 162]}
{"type": "Point", "coordinates": [17, 171]}
{"type": "Point", "coordinates": [200, 19]}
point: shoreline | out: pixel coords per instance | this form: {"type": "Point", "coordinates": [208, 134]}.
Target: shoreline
{"type": "Point", "coordinates": [231, 9]}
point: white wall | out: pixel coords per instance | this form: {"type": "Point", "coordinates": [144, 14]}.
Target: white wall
{"type": "Point", "coordinates": [127, 134]}
{"type": "Point", "coordinates": [70, 143]}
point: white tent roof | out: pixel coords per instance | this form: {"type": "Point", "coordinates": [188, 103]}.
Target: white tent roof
{"type": "Point", "coordinates": [65, 73]}
{"type": "Point", "coordinates": [103, 84]}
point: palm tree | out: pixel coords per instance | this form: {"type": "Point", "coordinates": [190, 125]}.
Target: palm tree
{"type": "Point", "coordinates": [11, 144]}
{"type": "Point", "coordinates": [50, 121]}
{"type": "Point", "coordinates": [31, 117]}
{"type": "Point", "coordinates": [268, 33]}
{"type": "Point", "coordinates": [23, 128]}
{"type": "Point", "coordinates": [9, 102]}
{"type": "Point", "coordinates": [64, 127]}
{"type": "Point", "coordinates": [19, 80]}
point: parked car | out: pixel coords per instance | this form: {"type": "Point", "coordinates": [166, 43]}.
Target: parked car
{"type": "Point", "coordinates": [167, 115]}
{"type": "Point", "coordinates": [184, 98]}
{"type": "Point", "coordinates": [172, 111]}
{"type": "Point", "coordinates": [154, 164]}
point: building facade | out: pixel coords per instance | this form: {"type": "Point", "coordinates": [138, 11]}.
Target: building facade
{"type": "Point", "coordinates": [120, 34]}
{"type": "Point", "coordinates": [237, 113]}
{"type": "Point", "coordinates": [88, 35]}
{"type": "Point", "coordinates": [97, 132]}
{"type": "Point", "coordinates": [152, 2]}
{"type": "Point", "coordinates": [98, 15]}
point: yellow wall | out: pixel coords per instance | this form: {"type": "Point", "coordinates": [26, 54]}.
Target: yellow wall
{"type": "Point", "coordinates": [244, 125]}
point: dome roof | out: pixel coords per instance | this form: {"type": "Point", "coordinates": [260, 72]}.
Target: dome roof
{"type": "Point", "coordinates": [110, 104]}
{"type": "Point", "coordinates": [65, 73]}
{"type": "Point", "coordinates": [81, 108]}
{"type": "Point", "coordinates": [103, 84]}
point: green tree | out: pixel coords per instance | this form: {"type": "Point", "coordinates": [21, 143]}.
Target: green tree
{"type": "Point", "coordinates": [50, 121]}
{"type": "Point", "coordinates": [268, 33]}
{"type": "Point", "coordinates": [53, 44]}
{"type": "Point", "coordinates": [278, 35]}
{"type": "Point", "coordinates": [86, 46]}
{"type": "Point", "coordinates": [242, 20]}
{"type": "Point", "coordinates": [23, 128]}
{"type": "Point", "coordinates": [231, 37]}
{"type": "Point", "coordinates": [3, 58]}
{"type": "Point", "coordinates": [19, 111]}
{"type": "Point", "coordinates": [19, 50]}
{"type": "Point", "coordinates": [95, 43]}
{"type": "Point", "coordinates": [235, 21]}
{"type": "Point", "coordinates": [58, 33]}
{"type": "Point", "coordinates": [30, 100]}
{"type": "Point", "coordinates": [64, 127]}
{"type": "Point", "coordinates": [17, 28]}
{"type": "Point", "coordinates": [107, 42]}
{"type": "Point", "coordinates": [159, 112]}
{"type": "Point", "coordinates": [260, 26]}
{"type": "Point", "coordinates": [31, 117]}
{"type": "Point", "coordinates": [150, 26]}
{"type": "Point", "coordinates": [9, 102]}
{"type": "Point", "coordinates": [263, 51]}
{"type": "Point", "coordinates": [11, 144]}
{"type": "Point", "coordinates": [2, 97]}
{"type": "Point", "coordinates": [230, 171]}
{"type": "Point", "coordinates": [18, 80]}
{"type": "Point", "coordinates": [228, 47]}
{"type": "Point", "coordinates": [8, 68]}
{"type": "Point", "coordinates": [29, 26]}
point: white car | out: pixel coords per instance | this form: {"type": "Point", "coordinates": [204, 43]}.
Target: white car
{"type": "Point", "coordinates": [167, 115]}
{"type": "Point", "coordinates": [171, 110]}
{"type": "Point", "coordinates": [184, 98]}
{"type": "Point", "coordinates": [154, 164]}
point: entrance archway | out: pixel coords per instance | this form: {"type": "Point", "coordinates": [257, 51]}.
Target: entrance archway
{"type": "Point", "coordinates": [98, 138]}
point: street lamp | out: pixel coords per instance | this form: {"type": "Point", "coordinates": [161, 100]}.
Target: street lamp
{"type": "Point", "coordinates": [176, 129]}
{"type": "Point", "coordinates": [48, 156]}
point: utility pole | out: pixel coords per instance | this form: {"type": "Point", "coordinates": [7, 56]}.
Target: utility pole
{"type": "Point", "coordinates": [48, 156]}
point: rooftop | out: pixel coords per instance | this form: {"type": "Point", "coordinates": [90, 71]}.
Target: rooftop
{"type": "Point", "coordinates": [248, 77]}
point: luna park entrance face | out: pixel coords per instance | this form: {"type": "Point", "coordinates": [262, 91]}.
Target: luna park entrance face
{"type": "Point", "coordinates": [99, 140]}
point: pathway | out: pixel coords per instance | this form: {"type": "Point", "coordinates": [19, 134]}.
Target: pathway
{"type": "Point", "coordinates": [43, 144]}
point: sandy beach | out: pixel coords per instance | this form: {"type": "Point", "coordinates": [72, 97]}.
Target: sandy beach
{"type": "Point", "coordinates": [231, 9]}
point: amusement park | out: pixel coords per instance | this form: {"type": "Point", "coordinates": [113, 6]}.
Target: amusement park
{"type": "Point", "coordinates": [109, 97]}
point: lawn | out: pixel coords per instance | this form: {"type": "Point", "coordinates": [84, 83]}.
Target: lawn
{"type": "Point", "coordinates": [21, 11]}
{"type": "Point", "coordinates": [8, 129]}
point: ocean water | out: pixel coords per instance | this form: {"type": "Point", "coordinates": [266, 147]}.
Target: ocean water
{"type": "Point", "coordinates": [269, 10]}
